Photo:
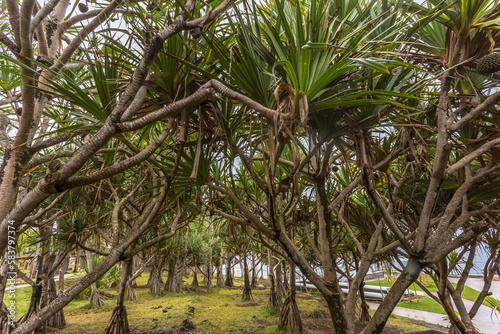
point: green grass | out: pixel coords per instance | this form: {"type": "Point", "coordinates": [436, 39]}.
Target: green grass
{"type": "Point", "coordinates": [219, 311]}
{"type": "Point", "coordinates": [424, 304]}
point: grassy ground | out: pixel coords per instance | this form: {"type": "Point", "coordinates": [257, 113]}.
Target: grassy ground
{"type": "Point", "coordinates": [218, 311]}
{"type": "Point", "coordinates": [427, 303]}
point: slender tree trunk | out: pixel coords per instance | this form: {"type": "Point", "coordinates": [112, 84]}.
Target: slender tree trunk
{"type": "Point", "coordinates": [247, 290]}
{"type": "Point", "coordinates": [210, 262]}
{"type": "Point", "coordinates": [203, 277]}
{"type": "Point", "coordinates": [220, 276]}
{"type": "Point", "coordinates": [254, 274]}
{"type": "Point", "coordinates": [365, 314]}
{"type": "Point", "coordinates": [286, 286]}
{"type": "Point", "coordinates": [37, 289]}
{"type": "Point", "coordinates": [229, 277]}
{"type": "Point", "coordinates": [75, 268]}
{"type": "Point", "coordinates": [465, 327]}
{"type": "Point", "coordinates": [280, 291]}
{"type": "Point", "coordinates": [234, 275]}
{"type": "Point", "coordinates": [275, 302]}
{"type": "Point", "coordinates": [33, 308]}
{"type": "Point", "coordinates": [334, 296]}
{"type": "Point", "coordinates": [408, 276]}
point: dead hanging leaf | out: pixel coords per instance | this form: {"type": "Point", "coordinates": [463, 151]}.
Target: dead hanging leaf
{"type": "Point", "coordinates": [285, 100]}
{"type": "Point", "coordinates": [303, 108]}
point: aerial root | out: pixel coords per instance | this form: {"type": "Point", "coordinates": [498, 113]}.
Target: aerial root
{"type": "Point", "coordinates": [290, 316]}
{"type": "Point", "coordinates": [118, 324]}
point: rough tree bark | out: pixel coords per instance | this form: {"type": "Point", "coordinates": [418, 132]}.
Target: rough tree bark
{"type": "Point", "coordinates": [247, 290]}
{"type": "Point", "coordinates": [172, 285]}
{"type": "Point", "coordinates": [229, 277]}
{"type": "Point", "coordinates": [275, 303]}
{"type": "Point", "coordinates": [220, 275]}
{"type": "Point", "coordinates": [210, 262]}
{"type": "Point", "coordinates": [254, 274]}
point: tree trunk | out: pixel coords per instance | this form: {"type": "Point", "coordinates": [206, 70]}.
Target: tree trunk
{"type": "Point", "coordinates": [465, 327]}
{"type": "Point", "coordinates": [365, 314]}
{"type": "Point", "coordinates": [155, 285]}
{"type": "Point", "coordinates": [254, 276]}
{"type": "Point", "coordinates": [247, 290]}
{"type": "Point", "coordinates": [210, 262]}
{"type": "Point", "coordinates": [36, 296]}
{"type": "Point", "coordinates": [204, 277]}
{"type": "Point", "coordinates": [275, 302]}
{"type": "Point", "coordinates": [220, 276]}
{"type": "Point", "coordinates": [118, 323]}
{"type": "Point", "coordinates": [229, 277]}
{"type": "Point", "coordinates": [75, 268]}
{"type": "Point", "coordinates": [195, 279]}
{"type": "Point", "coordinates": [171, 284]}
{"type": "Point", "coordinates": [280, 291]}
{"type": "Point", "coordinates": [286, 286]}
{"type": "Point", "coordinates": [408, 276]}
{"type": "Point", "coordinates": [290, 320]}
{"type": "Point", "coordinates": [37, 290]}
{"type": "Point", "coordinates": [57, 320]}
{"type": "Point", "coordinates": [7, 325]}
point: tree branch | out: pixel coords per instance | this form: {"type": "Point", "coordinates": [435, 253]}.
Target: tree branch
{"type": "Point", "coordinates": [119, 167]}
{"type": "Point", "coordinates": [10, 44]}
{"type": "Point", "coordinates": [471, 115]}
{"type": "Point", "coordinates": [42, 13]}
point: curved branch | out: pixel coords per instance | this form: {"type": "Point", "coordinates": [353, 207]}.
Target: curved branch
{"type": "Point", "coordinates": [88, 15]}
{"type": "Point", "coordinates": [469, 157]}
{"type": "Point", "coordinates": [92, 250]}
{"type": "Point", "coordinates": [489, 102]}
{"type": "Point", "coordinates": [78, 40]}
{"type": "Point", "coordinates": [55, 140]}
{"type": "Point", "coordinates": [119, 167]}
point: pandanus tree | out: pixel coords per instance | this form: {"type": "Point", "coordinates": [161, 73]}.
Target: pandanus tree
{"type": "Point", "coordinates": [463, 32]}
{"type": "Point", "coordinates": [45, 56]}
{"type": "Point", "coordinates": [314, 103]}
{"type": "Point", "coordinates": [59, 70]}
